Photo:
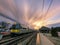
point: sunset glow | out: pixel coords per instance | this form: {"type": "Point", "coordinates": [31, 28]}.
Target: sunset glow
{"type": "Point", "coordinates": [31, 13]}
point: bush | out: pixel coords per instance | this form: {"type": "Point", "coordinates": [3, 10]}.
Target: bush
{"type": "Point", "coordinates": [54, 32]}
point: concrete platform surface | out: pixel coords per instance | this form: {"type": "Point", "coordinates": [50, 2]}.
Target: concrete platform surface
{"type": "Point", "coordinates": [44, 40]}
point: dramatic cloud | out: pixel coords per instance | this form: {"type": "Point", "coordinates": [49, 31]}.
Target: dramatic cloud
{"type": "Point", "coordinates": [32, 13]}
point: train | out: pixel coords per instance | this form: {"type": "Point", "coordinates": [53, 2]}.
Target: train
{"type": "Point", "coordinates": [14, 30]}
{"type": "Point", "coordinates": [3, 30]}
{"type": "Point", "coordinates": [17, 29]}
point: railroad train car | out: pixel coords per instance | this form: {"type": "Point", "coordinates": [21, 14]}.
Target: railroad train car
{"type": "Point", "coordinates": [16, 29]}
{"type": "Point", "coordinates": [3, 32]}
{"type": "Point", "coordinates": [4, 28]}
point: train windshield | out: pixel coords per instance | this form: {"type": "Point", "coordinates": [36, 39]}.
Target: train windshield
{"type": "Point", "coordinates": [16, 26]}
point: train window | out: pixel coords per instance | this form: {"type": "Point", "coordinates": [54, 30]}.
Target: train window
{"type": "Point", "coordinates": [17, 26]}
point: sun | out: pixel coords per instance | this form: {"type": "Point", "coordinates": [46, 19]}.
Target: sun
{"type": "Point", "coordinates": [38, 24]}
{"type": "Point", "coordinates": [36, 28]}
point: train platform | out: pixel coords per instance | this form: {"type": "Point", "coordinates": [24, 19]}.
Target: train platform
{"type": "Point", "coordinates": [44, 40]}
{"type": "Point", "coordinates": [1, 36]}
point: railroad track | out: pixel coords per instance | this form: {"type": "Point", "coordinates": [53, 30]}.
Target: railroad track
{"type": "Point", "coordinates": [5, 37]}
{"type": "Point", "coordinates": [29, 40]}
{"type": "Point", "coordinates": [14, 40]}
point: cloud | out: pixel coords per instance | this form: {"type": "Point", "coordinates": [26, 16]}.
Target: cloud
{"type": "Point", "coordinates": [29, 12]}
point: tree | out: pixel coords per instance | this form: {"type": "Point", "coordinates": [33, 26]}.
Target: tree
{"type": "Point", "coordinates": [54, 32]}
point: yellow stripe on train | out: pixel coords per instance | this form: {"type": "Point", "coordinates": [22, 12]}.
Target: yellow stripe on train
{"type": "Point", "coordinates": [15, 30]}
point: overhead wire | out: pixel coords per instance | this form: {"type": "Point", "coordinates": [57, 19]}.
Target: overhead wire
{"type": "Point", "coordinates": [48, 8]}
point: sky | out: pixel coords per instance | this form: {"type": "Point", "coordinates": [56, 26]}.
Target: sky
{"type": "Point", "coordinates": [31, 13]}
